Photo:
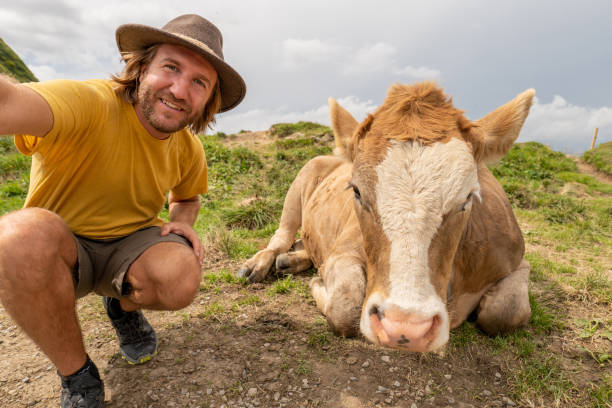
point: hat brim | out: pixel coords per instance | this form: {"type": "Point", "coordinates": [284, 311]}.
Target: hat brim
{"type": "Point", "coordinates": [134, 37]}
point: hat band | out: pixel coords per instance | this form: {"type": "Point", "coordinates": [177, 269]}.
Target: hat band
{"type": "Point", "coordinates": [196, 42]}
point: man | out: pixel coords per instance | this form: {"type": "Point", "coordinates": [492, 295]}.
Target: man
{"type": "Point", "coordinates": [105, 155]}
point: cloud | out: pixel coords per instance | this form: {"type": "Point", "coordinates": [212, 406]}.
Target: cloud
{"type": "Point", "coordinates": [378, 58]}
{"type": "Point", "coordinates": [262, 119]}
{"type": "Point", "coordinates": [369, 59]}
{"type": "Point", "coordinates": [417, 72]}
{"type": "Point", "coordinates": [300, 53]}
{"type": "Point", "coordinates": [566, 127]}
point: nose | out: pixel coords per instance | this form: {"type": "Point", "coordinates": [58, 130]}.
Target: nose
{"type": "Point", "coordinates": [408, 331]}
{"type": "Point", "coordinates": [179, 88]}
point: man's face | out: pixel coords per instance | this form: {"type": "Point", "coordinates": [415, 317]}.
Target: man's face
{"type": "Point", "coordinates": [174, 89]}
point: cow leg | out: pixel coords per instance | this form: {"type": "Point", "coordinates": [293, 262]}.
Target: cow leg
{"type": "Point", "coordinates": [339, 294]}
{"type": "Point", "coordinates": [257, 267]}
{"type": "Point", "coordinates": [505, 306]}
{"type": "Point", "coordinates": [295, 261]}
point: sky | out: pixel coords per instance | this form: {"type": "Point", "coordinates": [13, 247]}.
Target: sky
{"type": "Point", "coordinates": [294, 55]}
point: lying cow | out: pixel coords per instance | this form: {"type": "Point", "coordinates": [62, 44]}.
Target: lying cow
{"type": "Point", "coordinates": [409, 230]}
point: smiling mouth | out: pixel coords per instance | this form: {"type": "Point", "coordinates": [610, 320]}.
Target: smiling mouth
{"type": "Point", "coordinates": [171, 105]}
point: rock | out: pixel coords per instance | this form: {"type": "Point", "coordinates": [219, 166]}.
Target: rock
{"type": "Point", "coordinates": [351, 360]}
{"type": "Point", "coordinates": [486, 393]}
{"type": "Point", "coordinates": [508, 402]}
{"type": "Point", "coordinates": [386, 359]}
{"type": "Point", "coordinates": [397, 384]}
{"type": "Point", "coordinates": [252, 392]}
{"type": "Point", "coordinates": [365, 364]}
{"type": "Point", "coordinates": [276, 396]}
{"type": "Point", "coordinates": [448, 376]}
{"type": "Point", "coordinates": [497, 375]}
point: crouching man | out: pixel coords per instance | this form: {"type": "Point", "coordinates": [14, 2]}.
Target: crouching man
{"type": "Point", "coordinates": [106, 154]}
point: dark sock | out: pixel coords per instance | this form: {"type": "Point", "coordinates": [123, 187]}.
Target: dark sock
{"type": "Point", "coordinates": [89, 365]}
{"type": "Point", "coordinates": [114, 309]}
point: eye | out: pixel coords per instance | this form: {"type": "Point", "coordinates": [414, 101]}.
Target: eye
{"type": "Point", "coordinates": [171, 67]}
{"type": "Point", "coordinates": [199, 82]}
{"type": "Point", "coordinates": [467, 202]}
{"type": "Point", "coordinates": [355, 191]}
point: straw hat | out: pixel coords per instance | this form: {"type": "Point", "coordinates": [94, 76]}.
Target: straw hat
{"type": "Point", "coordinates": [193, 32]}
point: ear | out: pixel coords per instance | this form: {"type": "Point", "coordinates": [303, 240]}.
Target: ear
{"type": "Point", "coordinates": [343, 125]}
{"type": "Point", "coordinates": [501, 127]}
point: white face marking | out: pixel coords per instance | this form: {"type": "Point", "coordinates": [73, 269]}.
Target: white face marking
{"type": "Point", "coordinates": [417, 186]}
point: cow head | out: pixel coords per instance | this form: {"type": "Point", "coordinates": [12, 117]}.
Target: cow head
{"type": "Point", "coordinates": [415, 177]}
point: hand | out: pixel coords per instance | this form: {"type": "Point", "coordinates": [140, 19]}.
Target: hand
{"type": "Point", "coordinates": [185, 230]}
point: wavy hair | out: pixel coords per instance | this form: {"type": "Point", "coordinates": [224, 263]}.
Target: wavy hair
{"type": "Point", "coordinates": [127, 82]}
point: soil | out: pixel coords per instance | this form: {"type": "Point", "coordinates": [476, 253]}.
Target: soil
{"type": "Point", "coordinates": [278, 353]}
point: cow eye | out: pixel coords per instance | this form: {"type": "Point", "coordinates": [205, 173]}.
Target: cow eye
{"type": "Point", "coordinates": [355, 191]}
{"type": "Point", "coordinates": [468, 200]}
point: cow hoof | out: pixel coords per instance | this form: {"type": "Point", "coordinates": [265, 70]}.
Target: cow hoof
{"type": "Point", "coordinates": [282, 261]}
{"type": "Point", "coordinates": [243, 272]}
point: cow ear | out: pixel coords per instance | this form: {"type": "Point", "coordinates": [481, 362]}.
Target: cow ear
{"type": "Point", "coordinates": [500, 128]}
{"type": "Point", "coordinates": [343, 125]}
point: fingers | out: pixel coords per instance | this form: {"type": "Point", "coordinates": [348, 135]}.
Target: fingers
{"type": "Point", "coordinates": [188, 232]}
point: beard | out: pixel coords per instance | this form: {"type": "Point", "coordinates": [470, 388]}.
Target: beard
{"type": "Point", "coordinates": [147, 99]}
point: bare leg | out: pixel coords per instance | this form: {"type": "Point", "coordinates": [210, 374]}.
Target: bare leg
{"type": "Point", "coordinates": [165, 277]}
{"type": "Point", "coordinates": [37, 255]}
{"type": "Point", "coordinates": [339, 294]}
{"type": "Point", "coordinates": [505, 306]}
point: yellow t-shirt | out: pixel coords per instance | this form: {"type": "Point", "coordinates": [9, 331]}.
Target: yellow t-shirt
{"type": "Point", "coordinates": [99, 168]}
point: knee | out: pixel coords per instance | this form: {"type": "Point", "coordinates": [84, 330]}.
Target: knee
{"type": "Point", "coordinates": [35, 242]}
{"type": "Point", "coordinates": [504, 314]}
{"type": "Point", "coordinates": [34, 229]}
{"type": "Point", "coordinates": [169, 281]}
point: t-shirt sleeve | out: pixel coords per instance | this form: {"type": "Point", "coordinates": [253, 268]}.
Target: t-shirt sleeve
{"type": "Point", "coordinates": [74, 107]}
{"type": "Point", "coordinates": [194, 173]}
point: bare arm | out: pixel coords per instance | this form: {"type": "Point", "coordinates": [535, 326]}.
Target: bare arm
{"type": "Point", "coordinates": [183, 214]}
{"type": "Point", "coordinates": [184, 210]}
{"type": "Point", "coordinates": [22, 110]}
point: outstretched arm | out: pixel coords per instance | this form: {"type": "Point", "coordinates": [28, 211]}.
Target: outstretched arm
{"type": "Point", "coordinates": [23, 111]}
{"type": "Point", "coordinates": [183, 214]}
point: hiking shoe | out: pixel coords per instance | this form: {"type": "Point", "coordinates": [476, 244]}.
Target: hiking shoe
{"type": "Point", "coordinates": [137, 339]}
{"type": "Point", "coordinates": [84, 389]}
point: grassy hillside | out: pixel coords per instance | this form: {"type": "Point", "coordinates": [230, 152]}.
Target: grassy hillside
{"type": "Point", "coordinates": [600, 157]}
{"type": "Point", "coordinates": [563, 358]}
{"type": "Point", "coordinates": [11, 64]}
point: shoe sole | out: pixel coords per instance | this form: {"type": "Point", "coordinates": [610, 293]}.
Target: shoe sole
{"type": "Point", "coordinates": [137, 362]}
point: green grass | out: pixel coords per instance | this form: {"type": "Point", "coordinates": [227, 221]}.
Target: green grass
{"type": "Point", "coordinates": [542, 376]}
{"type": "Point", "coordinates": [11, 64]}
{"type": "Point", "coordinates": [305, 128]}
{"type": "Point", "coordinates": [600, 157]}
{"type": "Point", "coordinates": [255, 215]}
{"type": "Point", "coordinates": [533, 161]}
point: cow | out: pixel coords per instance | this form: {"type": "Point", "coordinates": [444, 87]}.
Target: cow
{"type": "Point", "coordinates": [407, 227]}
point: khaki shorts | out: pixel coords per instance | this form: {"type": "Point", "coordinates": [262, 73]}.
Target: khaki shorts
{"type": "Point", "coordinates": [102, 264]}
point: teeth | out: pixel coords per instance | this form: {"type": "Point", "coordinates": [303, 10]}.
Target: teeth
{"type": "Point", "coordinates": [171, 105]}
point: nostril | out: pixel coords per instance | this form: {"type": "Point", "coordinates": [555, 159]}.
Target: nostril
{"type": "Point", "coordinates": [374, 310]}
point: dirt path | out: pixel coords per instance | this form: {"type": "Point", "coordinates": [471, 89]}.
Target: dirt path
{"type": "Point", "coordinates": [591, 170]}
